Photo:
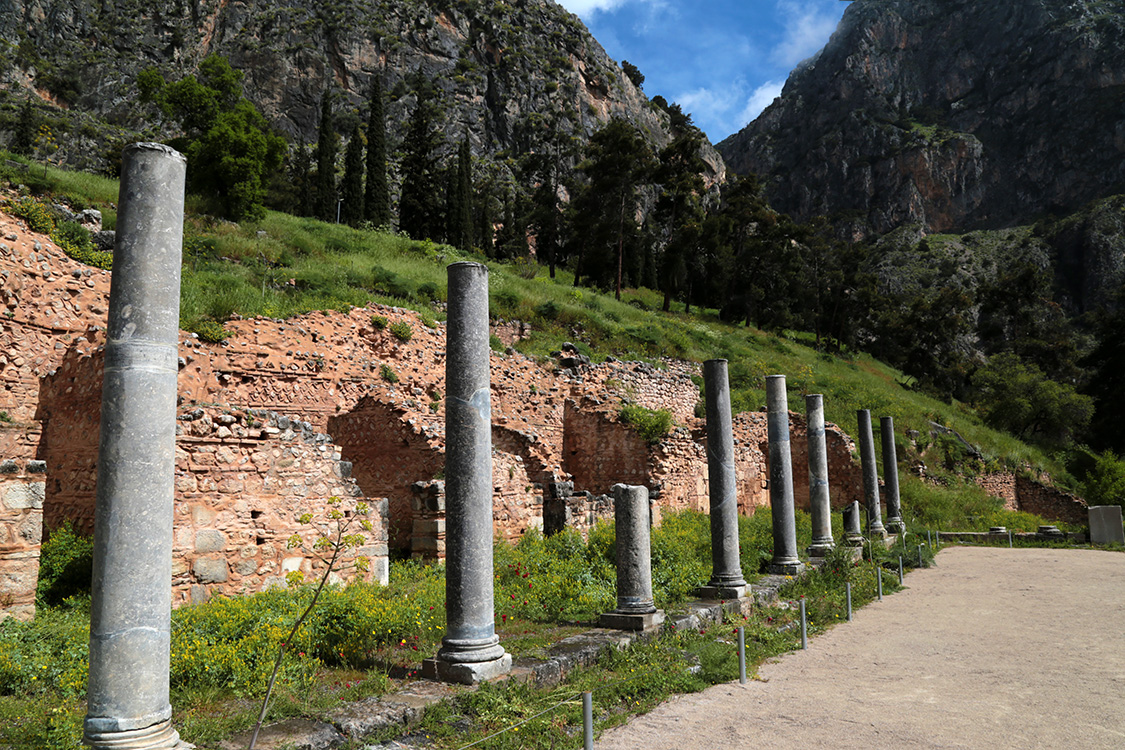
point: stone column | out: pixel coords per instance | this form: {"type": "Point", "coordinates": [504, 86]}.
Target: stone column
{"type": "Point", "coordinates": [785, 560]}
{"type": "Point", "coordinates": [819, 501]}
{"type": "Point", "coordinates": [471, 650]}
{"type": "Point", "coordinates": [870, 475]}
{"type": "Point", "coordinates": [890, 475]}
{"type": "Point", "coordinates": [726, 569]}
{"type": "Point", "coordinates": [853, 532]}
{"type": "Point", "coordinates": [635, 607]}
{"type": "Point", "coordinates": [130, 614]}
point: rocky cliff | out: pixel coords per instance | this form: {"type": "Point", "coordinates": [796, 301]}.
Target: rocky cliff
{"type": "Point", "coordinates": [500, 66]}
{"type": "Point", "coordinates": [948, 113]}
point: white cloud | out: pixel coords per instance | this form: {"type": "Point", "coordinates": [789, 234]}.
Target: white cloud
{"type": "Point", "coordinates": [762, 97]}
{"type": "Point", "coordinates": [586, 7]}
{"type": "Point", "coordinates": [808, 25]}
{"type": "Point", "coordinates": [722, 111]}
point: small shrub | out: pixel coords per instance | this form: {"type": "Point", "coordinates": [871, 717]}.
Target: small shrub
{"type": "Point", "coordinates": [402, 331]}
{"type": "Point", "coordinates": [36, 214]}
{"type": "Point", "coordinates": [5, 417]}
{"type": "Point", "coordinates": [75, 240]}
{"type": "Point", "coordinates": [650, 424]}
{"type": "Point", "coordinates": [379, 322]}
{"type": "Point", "coordinates": [66, 563]}
{"type": "Point", "coordinates": [430, 292]}
{"type": "Point", "coordinates": [387, 374]}
{"type": "Point", "coordinates": [210, 331]}
{"type": "Point", "coordinates": [389, 283]}
{"type": "Point", "coordinates": [548, 310]}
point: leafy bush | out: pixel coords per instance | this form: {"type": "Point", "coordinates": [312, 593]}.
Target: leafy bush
{"type": "Point", "coordinates": [210, 331]}
{"type": "Point", "coordinates": [650, 424]}
{"type": "Point", "coordinates": [379, 322]}
{"type": "Point", "coordinates": [389, 283]}
{"type": "Point", "coordinates": [431, 292]}
{"type": "Point", "coordinates": [36, 214]}
{"type": "Point", "coordinates": [75, 240]}
{"type": "Point", "coordinates": [66, 563]}
{"type": "Point", "coordinates": [1105, 483]}
{"type": "Point", "coordinates": [387, 374]}
{"type": "Point", "coordinates": [402, 331]}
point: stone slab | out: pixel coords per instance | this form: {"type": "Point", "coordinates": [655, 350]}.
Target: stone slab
{"type": "Point", "coordinates": [786, 569]}
{"type": "Point", "coordinates": [1105, 525]}
{"type": "Point", "coordinates": [466, 673]}
{"type": "Point", "coordinates": [721, 593]}
{"type": "Point", "coordinates": [632, 622]}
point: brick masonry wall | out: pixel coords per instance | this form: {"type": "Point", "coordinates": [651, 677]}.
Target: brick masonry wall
{"type": "Point", "coordinates": [1033, 496]}
{"type": "Point", "coordinates": [22, 489]}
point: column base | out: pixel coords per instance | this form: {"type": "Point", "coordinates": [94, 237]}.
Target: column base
{"type": "Point", "coordinates": [721, 593]}
{"type": "Point", "coordinates": [820, 549]}
{"type": "Point", "coordinates": [465, 673]}
{"type": "Point", "coordinates": [158, 737]}
{"type": "Point", "coordinates": [786, 568]}
{"type": "Point", "coordinates": [631, 620]}
{"type": "Point", "coordinates": [854, 540]}
{"type": "Point", "coordinates": [895, 525]}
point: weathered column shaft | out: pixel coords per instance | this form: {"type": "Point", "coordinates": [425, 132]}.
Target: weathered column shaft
{"type": "Point", "coordinates": [870, 473]}
{"type": "Point", "coordinates": [785, 560]}
{"type": "Point", "coordinates": [819, 499]}
{"type": "Point", "coordinates": [890, 473]}
{"type": "Point", "coordinates": [726, 567]}
{"type": "Point", "coordinates": [130, 615]}
{"type": "Point", "coordinates": [470, 633]}
{"type": "Point", "coordinates": [853, 532]}
{"type": "Point", "coordinates": [634, 549]}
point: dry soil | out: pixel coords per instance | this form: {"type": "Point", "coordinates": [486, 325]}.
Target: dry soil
{"type": "Point", "coordinates": [993, 648]}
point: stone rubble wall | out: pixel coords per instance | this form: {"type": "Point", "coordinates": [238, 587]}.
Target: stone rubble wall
{"type": "Point", "coordinates": [22, 489]}
{"type": "Point", "coordinates": [1034, 496]}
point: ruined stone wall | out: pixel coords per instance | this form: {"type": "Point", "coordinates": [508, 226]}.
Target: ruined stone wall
{"type": "Point", "coordinates": [22, 488]}
{"type": "Point", "coordinates": [599, 451]}
{"type": "Point", "coordinates": [1050, 502]}
{"type": "Point", "coordinates": [1001, 484]}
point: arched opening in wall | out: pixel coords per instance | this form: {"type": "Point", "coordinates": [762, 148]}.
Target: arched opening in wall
{"type": "Point", "coordinates": [388, 455]}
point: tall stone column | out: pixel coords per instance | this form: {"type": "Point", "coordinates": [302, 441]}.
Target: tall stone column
{"type": "Point", "coordinates": [785, 560]}
{"type": "Point", "coordinates": [471, 650]}
{"type": "Point", "coordinates": [635, 607]}
{"type": "Point", "coordinates": [726, 568]}
{"type": "Point", "coordinates": [819, 501]}
{"type": "Point", "coordinates": [130, 614]}
{"type": "Point", "coordinates": [870, 475]}
{"type": "Point", "coordinates": [890, 475]}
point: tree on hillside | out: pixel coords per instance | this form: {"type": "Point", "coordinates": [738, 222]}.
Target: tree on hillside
{"type": "Point", "coordinates": [376, 195]}
{"type": "Point", "coordinates": [300, 174]}
{"type": "Point", "coordinates": [459, 208]}
{"type": "Point", "coordinates": [351, 187]}
{"type": "Point", "coordinates": [633, 73]}
{"type": "Point", "coordinates": [1020, 399]}
{"type": "Point", "coordinates": [680, 210]}
{"type": "Point", "coordinates": [326, 145]}
{"type": "Point", "coordinates": [419, 211]}
{"type": "Point", "coordinates": [23, 138]}
{"type": "Point", "coordinates": [229, 145]}
{"type": "Point", "coordinates": [604, 210]}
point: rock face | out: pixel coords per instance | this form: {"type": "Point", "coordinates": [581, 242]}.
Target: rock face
{"type": "Point", "coordinates": [948, 113]}
{"type": "Point", "coordinates": [500, 67]}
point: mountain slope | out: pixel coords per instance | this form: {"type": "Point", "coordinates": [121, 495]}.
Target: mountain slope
{"type": "Point", "coordinates": [501, 68]}
{"type": "Point", "coordinates": [948, 113]}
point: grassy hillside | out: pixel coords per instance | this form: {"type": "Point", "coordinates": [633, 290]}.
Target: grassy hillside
{"type": "Point", "coordinates": [284, 265]}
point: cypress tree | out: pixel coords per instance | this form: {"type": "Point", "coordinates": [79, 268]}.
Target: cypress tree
{"type": "Point", "coordinates": [419, 211]}
{"type": "Point", "coordinates": [326, 143]}
{"type": "Point", "coordinates": [300, 169]}
{"type": "Point", "coordinates": [351, 189]}
{"type": "Point", "coordinates": [23, 139]}
{"type": "Point", "coordinates": [463, 239]}
{"type": "Point", "coordinates": [376, 198]}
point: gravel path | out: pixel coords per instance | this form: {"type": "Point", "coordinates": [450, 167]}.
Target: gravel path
{"type": "Point", "coordinates": [994, 648]}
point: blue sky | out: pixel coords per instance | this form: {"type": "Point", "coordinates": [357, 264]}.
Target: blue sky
{"type": "Point", "coordinates": [723, 61]}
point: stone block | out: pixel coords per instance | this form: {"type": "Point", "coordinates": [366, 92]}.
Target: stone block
{"type": "Point", "coordinates": [24, 496]}
{"type": "Point", "coordinates": [211, 570]}
{"type": "Point", "coordinates": [210, 540]}
{"type": "Point", "coordinates": [1105, 525]}
{"type": "Point", "coordinates": [246, 567]}
{"type": "Point", "coordinates": [466, 673]}
{"type": "Point", "coordinates": [431, 526]}
{"type": "Point", "coordinates": [629, 621]}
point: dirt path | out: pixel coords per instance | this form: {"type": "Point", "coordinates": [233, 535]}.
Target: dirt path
{"type": "Point", "coordinates": [994, 648]}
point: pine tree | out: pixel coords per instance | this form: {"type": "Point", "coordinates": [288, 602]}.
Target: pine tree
{"type": "Point", "coordinates": [351, 189]}
{"type": "Point", "coordinates": [376, 198]}
{"type": "Point", "coordinates": [23, 139]}
{"type": "Point", "coordinates": [419, 211]}
{"type": "Point", "coordinates": [326, 145]}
